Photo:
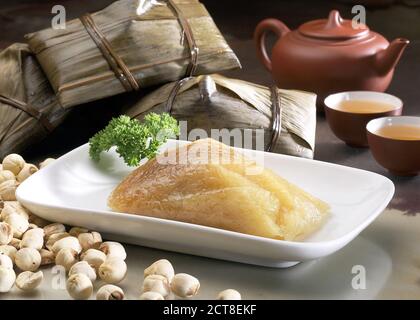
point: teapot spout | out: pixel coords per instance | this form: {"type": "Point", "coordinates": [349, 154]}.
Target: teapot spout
{"type": "Point", "coordinates": [387, 59]}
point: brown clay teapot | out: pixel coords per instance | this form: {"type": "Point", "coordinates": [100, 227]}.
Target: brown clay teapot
{"type": "Point", "coordinates": [329, 55]}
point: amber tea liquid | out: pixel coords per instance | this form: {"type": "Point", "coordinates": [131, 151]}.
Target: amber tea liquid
{"type": "Point", "coordinates": [400, 132]}
{"type": "Point", "coordinates": [364, 106]}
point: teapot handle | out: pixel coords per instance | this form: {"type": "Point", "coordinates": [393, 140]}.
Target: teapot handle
{"type": "Point", "coordinates": [273, 25]}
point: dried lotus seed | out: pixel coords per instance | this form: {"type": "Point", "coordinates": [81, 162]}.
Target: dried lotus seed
{"type": "Point", "coordinates": [185, 285]}
{"type": "Point", "coordinates": [110, 292]}
{"type": "Point", "coordinates": [67, 242]}
{"type": "Point", "coordinates": [113, 250]}
{"type": "Point", "coordinates": [113, 270]}
{"type": "Point", "coordinates": [27, 170]}
{"type": "Point", "coordinates": [66, 257]}
{"type": "Point", "coordinates": [53, 228]}
{"type": "Point", "coordinates": [28, 280]}
{"type": "Point", "coordinates": [161, 267]}
{"type": "Point", "coordinates": [157, 283]}
{"type": "Point", "coordinates": [6, 262]}
{"type": "Point", "coordinates": [79, 287]}
{"type": "Point", "coordinates": [33, 238]}
{"type": "Point", "coordinates": [150, 295]}
{"type": "Point", "coordinates": [7, 279]}
{"type": "Point", "coordinates": [14, 163]}
{"type": "Point", "coordinates": [229, 294]}
{"type": "Point", "coordinates": [84, 268]}
{"type": "Point", "coordinates": [28, 259]}
{"type": "Point", "coordinates": [6, 233]}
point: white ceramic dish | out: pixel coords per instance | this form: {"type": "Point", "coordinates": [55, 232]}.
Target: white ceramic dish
{"type": "Point", "coordinates": [74, 190]}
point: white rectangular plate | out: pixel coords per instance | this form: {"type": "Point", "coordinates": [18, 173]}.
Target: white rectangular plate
{"type": "Point", "coordinates": [74, 190]}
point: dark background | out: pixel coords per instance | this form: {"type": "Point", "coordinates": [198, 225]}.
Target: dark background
{"type": "Point", "coordinates": [237, 20]}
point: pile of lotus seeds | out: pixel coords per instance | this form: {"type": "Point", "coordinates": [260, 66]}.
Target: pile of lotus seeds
{"type": "Point", "coordinates": [28, 242]}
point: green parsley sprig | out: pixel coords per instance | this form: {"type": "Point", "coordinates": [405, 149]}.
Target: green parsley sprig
{"type": "Point", "coordinates": [134, 140]}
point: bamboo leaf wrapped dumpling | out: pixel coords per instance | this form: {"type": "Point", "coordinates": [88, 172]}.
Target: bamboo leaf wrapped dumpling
{"type": "Point", "coordinates": [130, 45]}
{"type": "Point", "coordinates": [29, 109]}
{"type": "Point", "coordinates": [216, 102]}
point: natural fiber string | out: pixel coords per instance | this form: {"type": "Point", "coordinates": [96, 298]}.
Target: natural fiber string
{"type": "Point", "coordinates": [122, 72]}
{"type": "Point", "coordinates": [276, 116]}
{"type": "Point", "coordinates": [187, 30]}
{"type": "Point", "coordinates": [172, 95]}
{"type": "Point", "coordinates": [29, 110]}
{"type": "Point", "coordinates": [194, 50]}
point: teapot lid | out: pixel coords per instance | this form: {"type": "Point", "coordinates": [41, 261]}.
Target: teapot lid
{"type": "Point", "coordinates": [333, 28]}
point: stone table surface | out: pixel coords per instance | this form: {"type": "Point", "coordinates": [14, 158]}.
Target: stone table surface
{"type": "Point", "coordinates": [388, 249]}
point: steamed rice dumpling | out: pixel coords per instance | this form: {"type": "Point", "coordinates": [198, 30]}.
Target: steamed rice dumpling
{"type": "Point", "coordinates": [211, 184]}
{"type": "Point", "coordinates": [29, 109]}
{"type": "Point", "coordinates": [130, 45]}
{"type": "Point", "coordinates": [210, 102]}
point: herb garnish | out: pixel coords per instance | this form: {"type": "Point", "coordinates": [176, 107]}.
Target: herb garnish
{"type": "Point", "coordinates": [134, 140]}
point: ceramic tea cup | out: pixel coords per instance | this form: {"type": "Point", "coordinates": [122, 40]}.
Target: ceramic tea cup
{"type": "Point", "coordinates": [397, 154]}
{"type": "Point", "coordinates": [350, 125]}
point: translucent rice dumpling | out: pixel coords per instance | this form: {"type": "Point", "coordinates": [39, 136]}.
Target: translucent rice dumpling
{"type": "Point", "coordinates": [211, 184]}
